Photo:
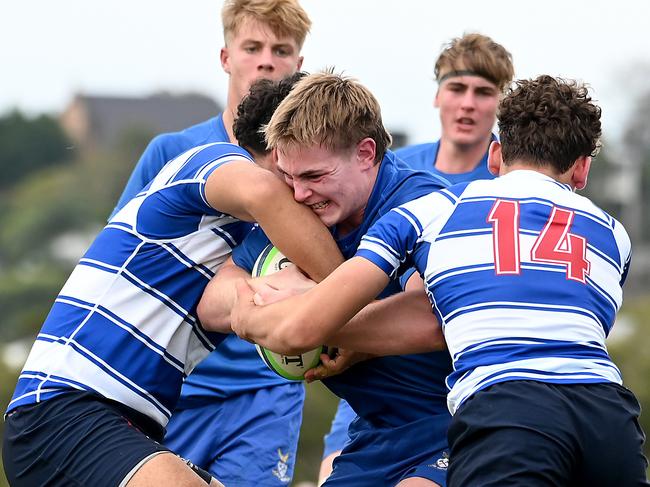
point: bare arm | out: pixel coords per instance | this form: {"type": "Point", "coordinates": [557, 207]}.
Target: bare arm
{"type": "Point", "coordinates": [303, 322]}
{"type": "Point", "coordinates": [251, 193]}
{"type": "Point", "coordinates": [219, 296]}
{"type": "Point", "coordinates": [399, 324]}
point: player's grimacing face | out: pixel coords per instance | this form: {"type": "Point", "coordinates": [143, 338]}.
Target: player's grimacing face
{"type": "Point", "coordinates": [334, 184]}
{"type": "Point", "coordinates": [468, 106]}
{"type": "Point", "coordinates": [255, 52]}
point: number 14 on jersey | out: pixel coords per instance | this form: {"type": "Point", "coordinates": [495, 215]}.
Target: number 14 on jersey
{"type": "Point", "coordinates": [555, 243]}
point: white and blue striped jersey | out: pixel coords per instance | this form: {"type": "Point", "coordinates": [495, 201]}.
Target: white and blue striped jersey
{"type": "Point", "coordinates": [524, 276]}
{"type": "Point", "coordinates": [124, 325]}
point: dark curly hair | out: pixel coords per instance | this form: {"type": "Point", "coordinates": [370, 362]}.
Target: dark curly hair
{"type": "Point", "coordinates": [256, 108]}
{"type": "Point", "coordinates": [548, 122]}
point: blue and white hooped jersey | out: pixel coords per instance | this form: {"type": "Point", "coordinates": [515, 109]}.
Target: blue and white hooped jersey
{"type": "Point", "coordinates": [524, 276]}
{"type": "Point", "coordinates": [124, 325]}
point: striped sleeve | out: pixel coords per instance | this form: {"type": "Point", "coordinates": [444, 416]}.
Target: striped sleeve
{"type": "Point", "coordinates": [396, 235]}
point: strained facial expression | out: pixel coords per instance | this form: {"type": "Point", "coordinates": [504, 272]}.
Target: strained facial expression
{"type": "Point", "coordinates": [334, 184]}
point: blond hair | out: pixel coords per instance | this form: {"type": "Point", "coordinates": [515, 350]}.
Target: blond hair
{"type": "Point", "coordinates": [330, 110]}
{"type": "Point", "coordinates": [285, 18]}
{"type": "Point", "coordinates": [478, 54]}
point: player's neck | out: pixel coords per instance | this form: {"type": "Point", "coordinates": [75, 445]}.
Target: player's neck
{"type": "Point", "coordinates": [520, 165]}
{"type": "Point", "coordinates": [228, 118]}
{"type": "Point", "coordinates": [457, 159]}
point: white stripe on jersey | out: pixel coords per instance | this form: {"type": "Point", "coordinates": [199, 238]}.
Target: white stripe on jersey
{"type": "Point", "coordinates": [553, 324]}
{"type": "Point", "coordinates": [542, 369]}
{"type": "Point", "coordinates": [62, 360]}
{"type": "Point", "coordinates": [98, 294]}
{"type": "Point", "coordinates": [485, 325]}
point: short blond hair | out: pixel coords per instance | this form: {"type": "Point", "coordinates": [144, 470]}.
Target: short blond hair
{"type": "Point", "coordinates": [479, 54]}
{"type": "Point", "coordinates": [330, 110]}
{"type": "Point", "coordinates": [285, 18]}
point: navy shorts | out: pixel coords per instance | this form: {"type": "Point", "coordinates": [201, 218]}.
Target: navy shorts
{"type": "Point", "coordinates": [376, 457]}
{"type": "Point", "coordinates": [541, 434]}
{"type": "Point", "coordinates": [76, 439]}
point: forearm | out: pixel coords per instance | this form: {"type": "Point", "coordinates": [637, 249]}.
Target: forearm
{"type": "Point", "coordinates": [400, 324]}
{"type": "Point", "coordinates": [303, 322]}
{"type": "Point", "coordinates": [219, 297]}
{"type": "Point", "coordinates": [297, 232]}
{"type": "Point", "coordinates": [250, 193]}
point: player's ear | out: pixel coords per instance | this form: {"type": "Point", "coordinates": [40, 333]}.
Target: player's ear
{"type": "Point", "coordinates": [300, 60]}
{"type": "Point", "coordinates": [580, 172]}
{"type": "Point", "coordinates": [224, 56]}
{"type": "Point", "coordinates": [495, 158]}
{"type": "Point", "coordinates": [366, 151]}
{"type": "Point", "coordinates": [436, 103]}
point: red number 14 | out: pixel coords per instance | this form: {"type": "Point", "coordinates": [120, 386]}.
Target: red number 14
{"type": "Point", "coordinates": [555, 243]}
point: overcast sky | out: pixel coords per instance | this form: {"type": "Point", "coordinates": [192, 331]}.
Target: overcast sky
{"type": "Point", "coordinates": [51, 50]}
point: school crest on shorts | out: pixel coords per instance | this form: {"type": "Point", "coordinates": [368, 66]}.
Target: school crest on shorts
{"type": "Point", "coordinates": [282, 467]}
{"type": "Point", "coordinates": [441, 463]}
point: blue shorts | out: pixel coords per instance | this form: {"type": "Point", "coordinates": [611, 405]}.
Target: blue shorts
{"type": "Point", "coordinates": [542, 434]}
{"type": "Point", "coordinates": [336, 439]}
{"type": "Point", "coordinates": [76, 439]}
{"type": "Point", "coordinates": [248, 439]}
{"type": "Point", "coordinates": [376, 457]}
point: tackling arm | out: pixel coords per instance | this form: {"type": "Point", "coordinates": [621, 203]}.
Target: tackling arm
{"type": "Point", "coordinates": [303, 322]}
{"type": "Point", "coordinates": [219, 296]}
{"type": "Point", "coordinates": [251, 193]}
{"type": "Point", "coordinates": [399, 324]}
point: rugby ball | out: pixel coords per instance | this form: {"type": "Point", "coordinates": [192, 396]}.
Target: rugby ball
{"type": "Point", "coordinates": [292, 367]}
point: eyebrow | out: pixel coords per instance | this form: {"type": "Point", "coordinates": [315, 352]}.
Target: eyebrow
{"type": "Point", "coordinates": [286, 45]}
{"type": "Point", "coordinates": [304, 174]}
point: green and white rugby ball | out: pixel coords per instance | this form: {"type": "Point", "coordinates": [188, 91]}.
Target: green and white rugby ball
{"type": "Point", "coordinates": [292, 367]}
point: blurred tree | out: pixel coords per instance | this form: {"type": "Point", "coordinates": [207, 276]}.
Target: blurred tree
{"type": "Point", "coordinates": [320, 406]}
{"type": "Point", "coordinates": [29, 144]}
{"type": "Point", "coordinates": [630, 353]}
{"type": "Point", "coordinates": [601, 187]}
{"type": "Point", "coordinates": [637, 146]}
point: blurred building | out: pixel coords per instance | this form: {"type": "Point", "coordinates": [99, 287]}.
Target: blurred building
{"type": "Point", "coordinates": [100, 122]}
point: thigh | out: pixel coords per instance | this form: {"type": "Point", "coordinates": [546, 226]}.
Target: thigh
{"type": "Point", "coordinates": [417, 482]}
{"type": "Point", "coordinates": [513, 433]}
{"type": "Point", "coordinates": [167, 468]}
{"type": "Point", "coordinates": [73, 439]}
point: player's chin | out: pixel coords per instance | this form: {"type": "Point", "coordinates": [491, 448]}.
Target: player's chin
{"type": "Point", "coordinates": [328, 216]}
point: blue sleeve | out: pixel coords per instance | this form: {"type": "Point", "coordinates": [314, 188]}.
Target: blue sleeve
{"type": "Point", "coordinates": [246, 254]}
{"type": "Point", "coordinates": [151, 162]}
{"type": "Point", "coordinates": [336, 439]}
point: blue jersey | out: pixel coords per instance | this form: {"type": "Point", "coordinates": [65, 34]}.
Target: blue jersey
{"type": "Point", "coordinates": [164, 148]}
{"type": "Point", "coordinates": [524, 276]}
{"type": "Point", "coordinates": [235, 366]}
{"type": "Point", "coordinates": [386, 391]}
{"type": "Point", "coordinates": [423, 157]}
{"type": "Point", "coordinates": [124, 325]}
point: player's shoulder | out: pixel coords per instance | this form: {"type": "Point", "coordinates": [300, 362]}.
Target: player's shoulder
{"type": "Point", "coordinates": [415, 150]}
{"type": "Point", "coordinates": [173, 143]}
{"type": "Point", "coordinates": [403, 172]}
